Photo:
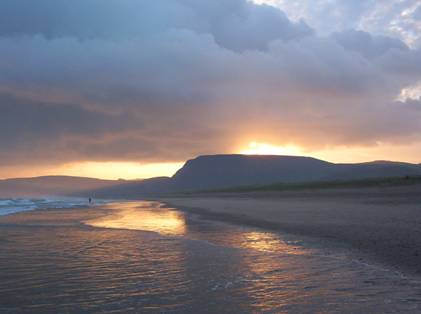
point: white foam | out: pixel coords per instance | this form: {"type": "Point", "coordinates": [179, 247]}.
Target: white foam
{"type": "Point", "coordinates": [16, 205]}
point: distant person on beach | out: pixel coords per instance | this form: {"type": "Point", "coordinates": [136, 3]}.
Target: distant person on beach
{"type": "Point", "coordinates": [90, 200]}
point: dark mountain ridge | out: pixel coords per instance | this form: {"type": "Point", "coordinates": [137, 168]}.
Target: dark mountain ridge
{"type": "Point", "coordinates": [225, 171]}
{"type": "Point", "coordinates": [214, 172]}
{"type": "Point", "coordinates": [231, 170]}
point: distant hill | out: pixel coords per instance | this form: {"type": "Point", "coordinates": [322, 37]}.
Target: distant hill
{"type": "Point", "coordinates": [221, 171]}
{"type": "Point", "coordinates": [206, 172]}
{"type": "Point", "coordinates": [51, 185]}
{"type": "Point", "coordinates": [212, 172]}
{"type": "Point", "coordinates": [224, 171]}
{"type": "Point", "coordinates": [131, 189]}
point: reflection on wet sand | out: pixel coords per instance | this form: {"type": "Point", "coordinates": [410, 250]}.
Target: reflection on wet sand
{"type": "Point", "coordinates": [268, 241]}
{"type": "Point", "coordinates": [208, 267]}
{"type": "Point", "coordinates": [145, 216]}
{"type": "Point", "coordinates": [152, 216]}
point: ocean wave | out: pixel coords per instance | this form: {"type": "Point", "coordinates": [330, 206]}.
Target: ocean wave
{"type": "Point", "coordinates": [16, 205]}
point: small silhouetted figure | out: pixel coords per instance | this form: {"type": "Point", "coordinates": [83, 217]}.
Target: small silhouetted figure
{"type": "Point", "coordinates": [90, 200]}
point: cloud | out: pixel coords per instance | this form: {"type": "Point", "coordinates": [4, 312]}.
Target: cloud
{"type": "Point", "coordinates": [395, 18]}
{"type": "Point", "coordinates": [234, 24]}
{"type": "Point", "coordinates": [367, 45]}
{"type": "Point", "coordinates": [164, 81]}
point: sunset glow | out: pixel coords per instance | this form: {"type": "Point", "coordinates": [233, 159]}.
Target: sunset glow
{"type": "Point", "coordinates": [256, 148]}
{"type": "Point", "coordinates": [191, 156]}
{"type": "Point", "coordinates": [263, 77]}
{"type": "Point", "coordinates": [116, 170]}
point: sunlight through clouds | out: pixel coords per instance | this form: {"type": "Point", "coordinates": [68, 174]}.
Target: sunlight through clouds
{"type": "Point", "coordinates": [396, 18]}
{"type": "Point", "coordinates": [134, 84]}
{"type": "Point", "coordinates": [256, 148]}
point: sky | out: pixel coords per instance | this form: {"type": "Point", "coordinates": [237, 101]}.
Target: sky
{"type": "Point", "coordinates": [131, 88]}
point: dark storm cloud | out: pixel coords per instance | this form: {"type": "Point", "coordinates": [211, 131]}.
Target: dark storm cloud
{"type": "Point", "coordinates": [28, 126]}
{"type": "Point", "coordinates": [165, 80]}
{"type": "Point", "coordinates": [26, 119]}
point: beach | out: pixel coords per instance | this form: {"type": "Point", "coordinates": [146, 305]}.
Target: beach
{"type": "Point", "coordinates": [383, 223]}
{"type": "Point", "coordinates": [146, 257]}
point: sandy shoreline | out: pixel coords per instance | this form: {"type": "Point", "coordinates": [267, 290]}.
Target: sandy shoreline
{"type": "Point", "coordinates": [55, 217]}
{"type": "Point", "coordinates": [384, 223]}
{"type": "Point", "coordinates": [140, 257]}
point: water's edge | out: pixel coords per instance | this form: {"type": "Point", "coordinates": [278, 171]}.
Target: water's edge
{"type": "Point", "coordinates": [327, 245]}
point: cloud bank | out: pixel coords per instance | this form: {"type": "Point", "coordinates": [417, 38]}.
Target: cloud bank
{"type": "Point", "coordinates": [166, 80]}
{"type": "Point", "coordinates": [397, 18]}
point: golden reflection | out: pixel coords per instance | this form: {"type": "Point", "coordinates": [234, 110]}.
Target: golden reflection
{"type": "Point", "coordinates": [145, 216]}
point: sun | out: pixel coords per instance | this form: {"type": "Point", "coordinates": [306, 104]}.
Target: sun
{"type": "Point", "coordinates": [256, 148]}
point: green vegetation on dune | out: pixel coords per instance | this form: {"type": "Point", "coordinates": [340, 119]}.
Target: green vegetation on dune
{"type": "Point", "coordinates": [360, 183]}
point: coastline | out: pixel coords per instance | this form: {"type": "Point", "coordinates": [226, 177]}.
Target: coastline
{"type": "Point", "coordinates": [131, 255]}
{"type": "Point", "coordinates": [57, 217]}
{"type": "Point", "coordinates": [382, 224]}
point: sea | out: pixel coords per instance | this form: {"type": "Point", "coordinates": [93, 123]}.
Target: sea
{"type": "Point", "coordinates": [15, 205]}
{"type": "Point", "coordinates": [148, 258]}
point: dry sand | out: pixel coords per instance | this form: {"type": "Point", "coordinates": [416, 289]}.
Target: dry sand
{"type": "Point", "coordinates": [383, 222]}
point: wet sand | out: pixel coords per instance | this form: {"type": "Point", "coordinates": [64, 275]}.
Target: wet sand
{"type": "Point", "coordinates": [55, 217]}
{"type": "Point", "coordinates": [383, 223]}
{"type": "Point", "coordinates": [141, 257]}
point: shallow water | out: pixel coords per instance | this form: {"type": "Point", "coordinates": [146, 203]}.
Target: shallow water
{"type": "Point", "coordinates": [149, 259]}
{"type": "Point", "coordinates": [15, 205]}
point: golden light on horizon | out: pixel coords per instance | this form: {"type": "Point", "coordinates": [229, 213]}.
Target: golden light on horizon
{"type": "Point", "coordinates": [257, 148]}
{"type": "Point", "coordinates": [113, 170]}
{"type": "Point", "coordinates": [110, 170]}
{"type": "Point", "coordinates": [137, 170]}
{"type": "Point", "coordinates": [338, 154]}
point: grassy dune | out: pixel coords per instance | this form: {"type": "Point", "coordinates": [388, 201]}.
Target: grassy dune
{"type": "Point", "coordinates": [360, 183]}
